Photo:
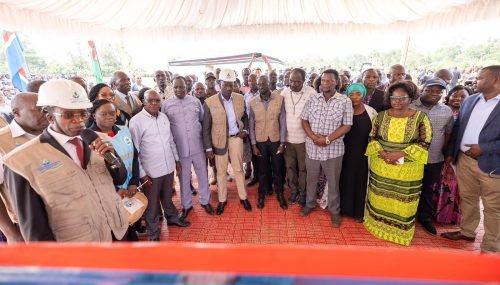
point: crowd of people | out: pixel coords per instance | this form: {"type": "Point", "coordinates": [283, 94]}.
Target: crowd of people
{"type": "Point", "coordinates": [392, 153]}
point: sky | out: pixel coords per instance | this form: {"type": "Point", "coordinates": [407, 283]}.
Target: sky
{"type": "Point", "coordinates": [153, 56]}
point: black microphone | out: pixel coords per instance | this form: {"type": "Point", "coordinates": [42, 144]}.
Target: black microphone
{"type": "Point", "coordinates": [89, 136]}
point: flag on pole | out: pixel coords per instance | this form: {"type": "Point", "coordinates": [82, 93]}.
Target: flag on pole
{"type": "Point", "coordinates": [14, 52]}
{"type": "Point", "coordinates": [96, 67]}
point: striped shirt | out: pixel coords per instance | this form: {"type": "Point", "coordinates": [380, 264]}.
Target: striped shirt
{"type": "Point", "coordinates": [324, 118]}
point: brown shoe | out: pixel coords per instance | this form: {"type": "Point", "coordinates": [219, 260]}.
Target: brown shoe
{"type": "Point", "coordinates": [457, 236]}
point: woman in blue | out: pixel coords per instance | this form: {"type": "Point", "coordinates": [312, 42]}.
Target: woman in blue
{"type": "Point", "coordinates": [104, 114]}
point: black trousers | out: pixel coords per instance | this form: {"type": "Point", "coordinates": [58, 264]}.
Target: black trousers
{"type": "Point", "coordinates": [432, 172]}
{"type": "Point", "coordinates": [271, 167]}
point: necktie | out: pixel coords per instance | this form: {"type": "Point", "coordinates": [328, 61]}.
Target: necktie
{"type": "Point", "coordinates": [79, 149]}
{"type": "Point", "coordinates": [128, 101]}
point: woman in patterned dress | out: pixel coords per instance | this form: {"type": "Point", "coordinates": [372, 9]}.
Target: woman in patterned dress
{"type": "Point", "coordinates": [397, 150]}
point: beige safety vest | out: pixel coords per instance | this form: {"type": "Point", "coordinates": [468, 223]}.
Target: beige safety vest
{"type": "Point", "coordinates": [267, 124]}
{"type": "Point", "coordinates": [7, 144]}
{"type": "Point", "coordinates": [81, 204]}
{"type": "Point", "coordinates": [219, 130]}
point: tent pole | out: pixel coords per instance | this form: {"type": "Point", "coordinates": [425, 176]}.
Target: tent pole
{"type": "Point", "coordinates": [404, 51]}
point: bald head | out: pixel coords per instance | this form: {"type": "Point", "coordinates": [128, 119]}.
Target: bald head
{"type": "Point", "coordinates": [22, 99]}
{"type": "Point", "coordinates": [34, 85]}
{"type": "Point", "coordinates": [27, 114]}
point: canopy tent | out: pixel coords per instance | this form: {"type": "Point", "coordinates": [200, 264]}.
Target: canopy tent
{"type": "Point", "coordinates": [203, 19]}
{"type": "Point", "coordinates": [233, 59]}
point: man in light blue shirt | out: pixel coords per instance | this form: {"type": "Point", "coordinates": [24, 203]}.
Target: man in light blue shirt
{"type": "Point", "coordinates": [185, 114]}
{"type": "Point", "coordinates": [159, 159]}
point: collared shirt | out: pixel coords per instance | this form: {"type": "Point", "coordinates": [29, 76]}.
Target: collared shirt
{"type": "Point", "coordinates": [154, 143]}
{"type": "Point", "coordinates": [478, 117]}
{"type": "Point", "coordinates": [124, 98]}
{"type": "Point", "coordinates": [294, 104]}
{"type": "Point", "coordinates": [248, 96]}
{"type": "Point", "coordinates": [185, 116]}
{"type": "Point", "coordinates": [231, 116]}
{"type": "Point", "coordinates": [16, 132]}
{"type": "Point", "coordinates": [63, 140]}
{"type": "Point", "coordinates": [167, 93]}
{"type": "Point", "coordinates": [324, 118]}
{"type": "Point", "coordinates": [441, 118]}
{"type": "Point", "coordinates": [281, 119]}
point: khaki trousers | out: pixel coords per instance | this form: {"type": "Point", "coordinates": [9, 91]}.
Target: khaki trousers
{"type": "Point", "coordinates": [473, 184]}
{"type": "Point", "coordinates": [235, 154]}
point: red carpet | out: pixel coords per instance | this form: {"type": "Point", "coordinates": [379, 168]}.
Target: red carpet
{"type": "Point", "coordinates": [272, 225]}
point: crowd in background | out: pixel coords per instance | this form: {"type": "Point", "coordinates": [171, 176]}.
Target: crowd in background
{"type": "Point", "coordinates": [388, 150]}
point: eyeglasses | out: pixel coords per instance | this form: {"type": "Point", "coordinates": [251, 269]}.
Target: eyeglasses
{"type": "Point", "coordinates": [73, 115]}
{"type": "Point", "coordinates": [396, 98]}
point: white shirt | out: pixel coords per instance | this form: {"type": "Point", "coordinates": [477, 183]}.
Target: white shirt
{"type": "Point", "coordinates": [63, 140]}
{"type": "Point", "coordinates": [478, 118]}
{"type": "Point", "coordinates": [293, 108]}
{"type": "Point", "coordinates": [155, 144]}
{"type": "Point", "coordinates": [16, 131]}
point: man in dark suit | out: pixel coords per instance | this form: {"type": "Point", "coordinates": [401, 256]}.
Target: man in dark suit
{"type": "Point", "coordinates": [475, 147]}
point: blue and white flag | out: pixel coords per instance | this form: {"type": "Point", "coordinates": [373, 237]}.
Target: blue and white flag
{"type": "Point", "coordinates": [14, 52]}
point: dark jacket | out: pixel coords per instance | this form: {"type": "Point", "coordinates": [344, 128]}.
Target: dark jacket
{"type": "Point", "coordinates": [489, 137]}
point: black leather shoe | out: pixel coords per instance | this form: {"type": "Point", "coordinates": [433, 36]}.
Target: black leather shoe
{"type": "Point", "coordinates": [305, 211]}
{"type": "Point", "coordinates": [252, 182]}
{"type": "Point", "coordinates": [293, 197]}
{"type": "Point", "coordinates": [208, 209]}
{"type": "Point", "coordinates": [220, 208]}
{"type": "Point", "coordinates": [246, 205]}
{"type": "Point", "coordinates": [185, 213]}
{"type": "Point", "coordinates": [179, 223]}
{"type": "Point", "coordinates": [428, 227]}
{"type": "Point", "coordinates": [260, 201]}
{"type": "Point", "coordinates": [281, 200]}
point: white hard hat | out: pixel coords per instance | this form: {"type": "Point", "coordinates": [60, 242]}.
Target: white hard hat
{"type": "Point", "coordinates": [63, 93]}
{"type": "Point", "coordinates": [227, 75]}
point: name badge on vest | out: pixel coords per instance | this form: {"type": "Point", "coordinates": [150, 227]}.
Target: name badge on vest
{"type": "Point", "coordinates": [48, 165]}
{"type": "Point", "coordinates": [127, 140]}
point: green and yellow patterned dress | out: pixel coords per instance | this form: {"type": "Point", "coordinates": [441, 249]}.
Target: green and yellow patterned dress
{"type": "Point", "coordinates": [394, 190]}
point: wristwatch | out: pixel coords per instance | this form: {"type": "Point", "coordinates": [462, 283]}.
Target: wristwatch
{"type": "Point", "coordinates": [327, 140]}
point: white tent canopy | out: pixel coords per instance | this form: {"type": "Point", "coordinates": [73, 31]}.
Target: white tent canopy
{"type": "Point", "coordinates": [235, 19]}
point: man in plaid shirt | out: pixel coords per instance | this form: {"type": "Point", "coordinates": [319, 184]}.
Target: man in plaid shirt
{"type": "Point", "coordinates": [326, 118]}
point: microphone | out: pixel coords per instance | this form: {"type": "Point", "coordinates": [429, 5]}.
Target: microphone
{"type": "Point", "coordinates": [88, 136]}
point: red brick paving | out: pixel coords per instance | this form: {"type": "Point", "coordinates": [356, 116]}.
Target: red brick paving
{"type": "Point", "coordinates": [272, 225]}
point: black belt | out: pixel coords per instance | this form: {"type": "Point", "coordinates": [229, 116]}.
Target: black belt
{"type": "Point", "coordinates": [232, 136]}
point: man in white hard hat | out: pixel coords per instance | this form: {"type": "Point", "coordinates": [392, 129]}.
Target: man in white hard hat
{"type": "Point", "coordinates": [225, 126]}
{"type": "Point", "coordinates": [61, 188]}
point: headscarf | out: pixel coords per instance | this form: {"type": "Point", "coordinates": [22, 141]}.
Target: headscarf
{"type": "Point", "coordinates": [356, 87]}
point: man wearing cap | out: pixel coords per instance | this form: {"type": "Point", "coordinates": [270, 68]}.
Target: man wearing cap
{"type": "Point", "coordinates": [441, 118]}
{"type": "Point", "coordinates": [210, 82]}
{"type": "Point", "coordinates": [28, 123]}
{"type": "Point", "coordinates": [225, 126]}
{"type": "Point", "coordinates": [128, 103]}
{"type": "Point", "coordinates": [61, 188]}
